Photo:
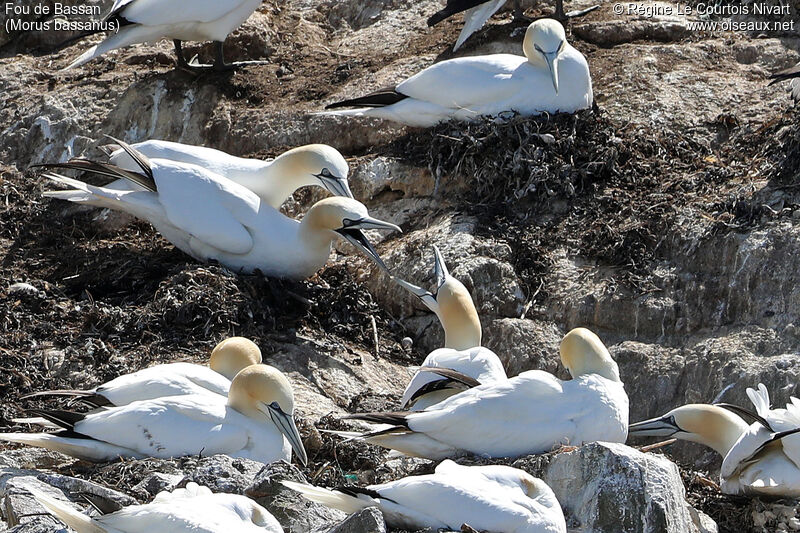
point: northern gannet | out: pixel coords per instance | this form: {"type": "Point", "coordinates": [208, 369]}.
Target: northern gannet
{"type": "Point", "coordinates": [142, 21]}
{"type": "Point", "coordinates": [212, 218]}
{"type": "Point", "coordinates": [273, 181]}
{"type": "Point", "coordinates": [194, 509]}
{"type": "Point", "coordinates": [759, 458]}
{"type": "Point", "coordinates": [487, 498]}
{"type": "Point", "coordinates": [254, 423]}
{"type": "Point", "coordinates": [791, 73]}
{"type": "Point", "coordinates": [171, 379]}
{"type": "Point", "coordinates": [529, 413]}
{"type": "Point", "coordinates": [462, 363]}
{"type": "Point", "coordinates": [551, 77]}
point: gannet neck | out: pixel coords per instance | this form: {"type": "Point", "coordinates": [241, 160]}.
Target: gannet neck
{"type": "Point", "coordinates": [709, 425]}
{"type": "Point", "coordinates": [582, 352]}
{"type": "Point", "coordinates": [457, 313]}
{"type": "Point", "coordinates": [234, 354]}
{"type": "Point", "coordinates": [313, 164]}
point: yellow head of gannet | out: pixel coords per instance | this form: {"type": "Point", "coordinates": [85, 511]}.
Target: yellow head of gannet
{"type": "Point", "coordinates": [582, 352]}
{"type": "Point", "coordinates": [232, 355]}
{"type": "Point", "coordinates": [453, 305]}
{"type": "Point", "coordinates": [346, 217]}
{"type": "Point", "coordinates": [544, 41]}
{"type": "Point", "coordinates": [313, 164]}
{"type": "Point", "coordinates": [263, 390]}
{"type": "Point", "coordinates": [710, 425]}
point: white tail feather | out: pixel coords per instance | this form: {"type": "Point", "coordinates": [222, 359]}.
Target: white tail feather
{"type": "Point", "coordinates": [89, 449]}
{"type": "Point", "coordinates": [330, 498]}
{"type": "Point", "coordinates": [126, 36]}
{"type": "Point", "coordinates": [77, 521]}
{"type": "Point", "coordinates": [760, 399]}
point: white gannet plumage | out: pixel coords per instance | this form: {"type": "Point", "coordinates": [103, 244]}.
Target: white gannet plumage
{"type": "Point", "coordinates": [462, 350]}
{"type": "Point", "coordinates": [149, 20]}
{"type": "Point", "coordinates": [273, 181]}
{"type": "Point", "coordinates": [193, 509]}
{"type": "Point", "coordinates": [487, 498]}
{"type": "Point", "coordinates": [236, 228]}
{"type": "Point", "coordinates": [529, 413]}
{"type": "Point", "coordinates": [757, 458]}
{"type": "Point", "coordinates": [171, 379]}
{"type": "Point", "coordinates": [253, 422]}
{"type": "Point", "coordinates": [551, 77]}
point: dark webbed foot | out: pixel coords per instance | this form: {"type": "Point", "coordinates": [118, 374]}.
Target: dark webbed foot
{"type": "Point", "coordinates": [219, 64]}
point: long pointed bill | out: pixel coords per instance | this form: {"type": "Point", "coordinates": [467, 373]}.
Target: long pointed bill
{"type": "Point", "coordinates": [655, 427]}
{"type": "Point", "coordinates": [440, 271]}
{"type": "Point", "coordinates": [337, 186]}
{"type": "Point", "coordinates": [552, 66]}
{"type": "Point", "coordinates": [357, 238]}
{"type": "Point", "coordinates": [286, 425]}
{"type": "Point", "coordinates": [427, 297]}
{"type": "Point", "coordinates": [374, 223]}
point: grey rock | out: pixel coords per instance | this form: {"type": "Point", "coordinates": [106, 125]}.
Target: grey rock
{"type": "Point", "coordinates": [74, 485]}
{"type": "Point", "coordinates": [221, 473]}
{"type": "Point", "coordinates": [609, 487]}
{"type": "Point", "coordinates": [369, 520]}
{"type": "Point", "coordinates": [20, 509]}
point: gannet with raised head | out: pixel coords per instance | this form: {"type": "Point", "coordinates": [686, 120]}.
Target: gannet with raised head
{"type": "Point", "coordinates": [194, 509]}
{"type": "Point", "coordinates": [171, 379]}
{"type": "Point", "coordinates": [487, 498]}
{"type": "Point", "coordinates": [529, 413]}
{"type": "Point", "coordinates": [142, 21]}
{"type": "Point", "coordinates": [462, 363]}
{"type": "Point", "coordinates": [254, 423]}
{"type": "Point", "coordinates": [212, 218]}
{"type": "Point", "coordinates": [273, 181]}
{"type": "Point", "coordinates": [757, 458]}
{"type": "Point", "coordinates": [552, 77]}
{"type": "Point", "coordinates": [791, 73]}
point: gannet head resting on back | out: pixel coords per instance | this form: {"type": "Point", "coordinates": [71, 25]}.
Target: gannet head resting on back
{"type": "Point", "coordinates": [313, 164]}
{"type": "Point", "coordinates": [544, 40]}
{"type": "Point", "coordinates": [582, 352]}
{"type": "Point", "coordinates": [346, 218]}
{"type": "Point", "coordinates": [709, 425]}
{"type": "Point", "coordinates": [263, 390]}
{"type": "Point", "coordinates": [234, 354]}
{"type": "Point", "coordinates": [453, 305]}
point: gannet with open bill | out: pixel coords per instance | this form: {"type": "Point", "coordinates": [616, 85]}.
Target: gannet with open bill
{"type": "Point", "coordinates": [463, 362]}
{"type": "Point", "coordinates": [791, 73]}
{"type": "Point", "coordinates": [193, 509]}
{"type": "Point", "coordinates": [758, 459]}
{"type": "Point", "coordinates": [253, 422]}
{"type": "Point", "coordinates": [273, 181]}
{"type": "Point", "coordinates": [212, 218]}
{"type": "Point", "coordinates": [486, 498]}
{"type": "Point", "coordinates": [142, 21]}
{"type": "Point", "coordinates": [551, 77]}
{"type": "Point", "coordinates": [529, 413]}
{"type": "Point", "coordinates": [171, 379]}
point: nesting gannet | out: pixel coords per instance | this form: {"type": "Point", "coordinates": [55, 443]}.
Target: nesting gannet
{"type": "Point", "coordinates": [212, 218]}
{"type": "Point", "coordinates": [792, 73]}
{"type": "Point", "coordinates": [462, 363]}
{"type": "Point", "coordinates": [194, 509]}
{"type": "Point", "coordinates": [142, 21]}
{"type": "Point", "coordinates": [254, 423]}
{"type": "Point", "coordinates": [273, 181]}
{"type": "Point", "coordinates": [487, 498]}
{"type": "Point", "coordinates": [757, 459]}
{"type": "Point", "coordinates": [551, 77]}
{"type": "Point", "coordinates": [171, 379]}
{"type": "Point", "coordinates": [529, 413]}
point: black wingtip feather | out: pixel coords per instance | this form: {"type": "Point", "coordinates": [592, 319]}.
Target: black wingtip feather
{"type": "Point", "coordinates": [393, 418]}
{"type": "Point", "coordinates": [380, 98]}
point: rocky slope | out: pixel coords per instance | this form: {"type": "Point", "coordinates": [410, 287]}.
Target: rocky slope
{"type": "Point", "coordinates": [666, 220]}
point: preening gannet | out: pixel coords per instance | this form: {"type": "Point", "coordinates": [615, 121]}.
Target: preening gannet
{"type": "Point", "coordinates": [792, 73]}
{"type": "Point", "coordinates": [529, 413]}
{"type": "Point", "coordinates": [212, 218]}
{"type": "Point", "coordinates": [758, 459]}
{"type": "Point", "coordinates": [551, 77]}
{"type": "Point", "coordinates": [273, 181]}
{"type": "Point", "coordinates": [171, 379]}
{"type": "Point", "coordinates": [254, 423]}
{"type": "Point", "coordinates": [487, 498]}
{"type": "Point", "coordinates": [194, 509]}
{"type": "Point", "coordinates": [462, 363]}
{"type": "Point", "coordinates": [141, 21]}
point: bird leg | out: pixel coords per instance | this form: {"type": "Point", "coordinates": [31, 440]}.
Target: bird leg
{"type": "Point", "coordinates": [519, 13]}
{"type": "Point", "coordinates": [562, 17]}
